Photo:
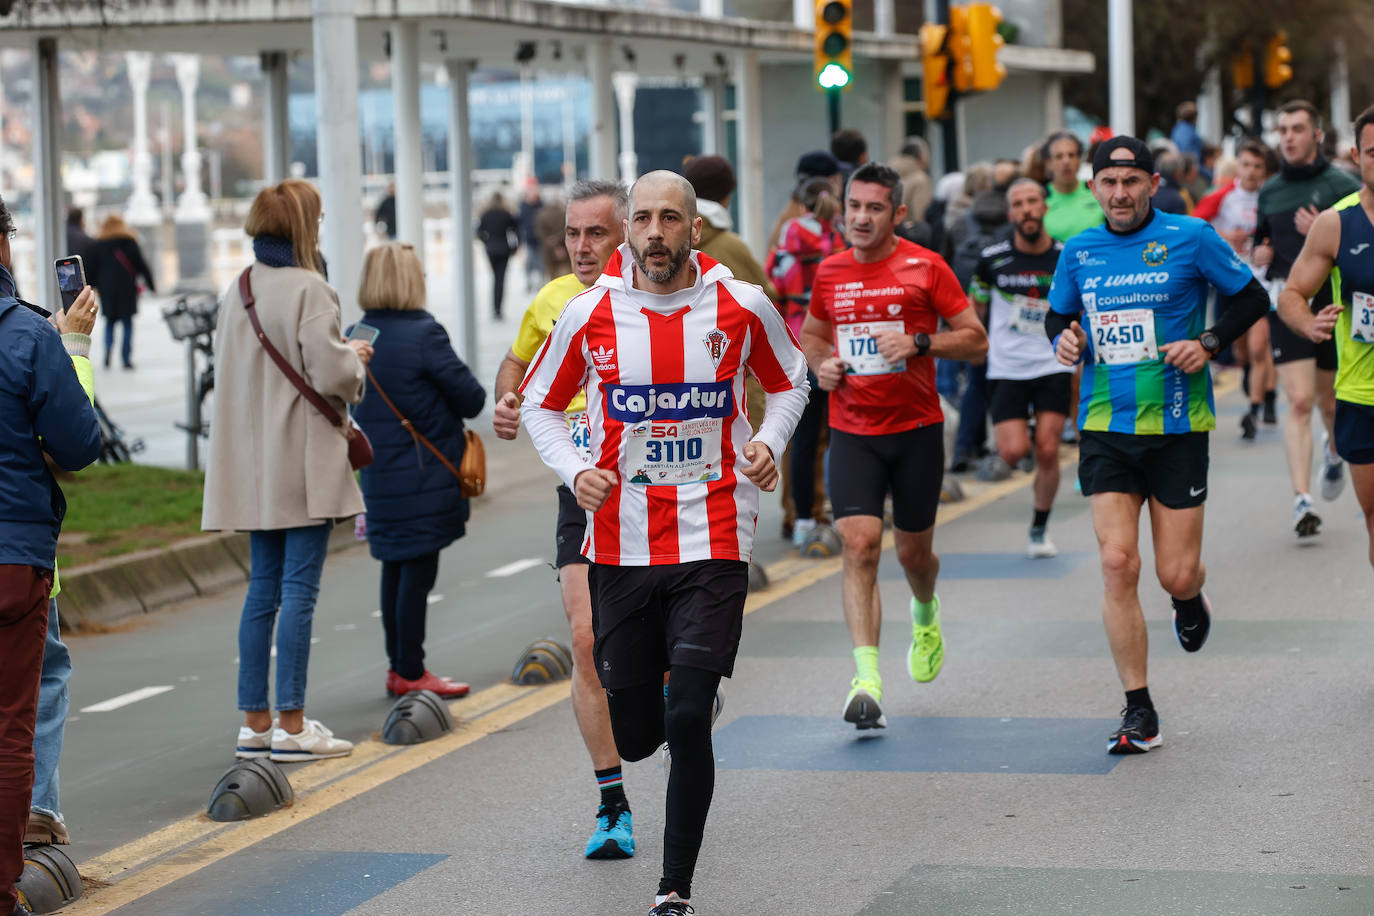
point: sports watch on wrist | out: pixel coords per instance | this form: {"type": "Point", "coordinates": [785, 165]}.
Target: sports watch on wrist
{"type": "Point", "coordinates": [922, 341]}
{"type": "Point", "coordinates": [1209, 342]}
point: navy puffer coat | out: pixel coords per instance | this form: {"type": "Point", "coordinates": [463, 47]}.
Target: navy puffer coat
{"type": "Point", "coordinates": [414, 505]}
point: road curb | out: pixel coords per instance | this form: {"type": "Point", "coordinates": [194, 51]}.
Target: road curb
{"type": "Point", "coordinates": [114, 590]}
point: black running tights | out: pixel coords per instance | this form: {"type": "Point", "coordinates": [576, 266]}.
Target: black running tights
{"type": "Point", "coordinates": [642, 721]}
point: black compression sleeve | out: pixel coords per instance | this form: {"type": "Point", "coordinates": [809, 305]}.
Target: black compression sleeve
{"type": "Point", "coordinates": [1057, 323]}
{"type": "Point", "coordinates": [1247, 306]}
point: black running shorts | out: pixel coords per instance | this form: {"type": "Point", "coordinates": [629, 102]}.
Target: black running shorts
{"type": "Point", "coordinates": [1017, 399]}
{"type": "Point", "coordinates": [861, 470]}
{"type": "Point", "coordinates": [649, 618]}
{"type": "Point", "coordinates": [1288, 347]}
{"type": "Point", "coordinates": [1170, 468]}
{"type": "Point", "coordinates": [1354, 429]}
{"type": "Point", "coordinates": [571, 530]}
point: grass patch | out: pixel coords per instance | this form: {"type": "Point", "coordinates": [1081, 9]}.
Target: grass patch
{"type": "Point", "coordinates": [114, 509]}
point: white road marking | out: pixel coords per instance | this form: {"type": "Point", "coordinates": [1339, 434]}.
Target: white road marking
{"type": "Point", "coordinates": [433, 599]}
{"type": "Point", "coordinates": [511, 569]}
{"type": "Point", "coordinates": [341, 627]}
{"type": "Point", "coordinates": [124, 699]}
{"type": "Point", "coordinates": [377, 613]}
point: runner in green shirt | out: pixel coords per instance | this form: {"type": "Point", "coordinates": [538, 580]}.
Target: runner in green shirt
{"type": "Point", "coordinates": [1072, 207]}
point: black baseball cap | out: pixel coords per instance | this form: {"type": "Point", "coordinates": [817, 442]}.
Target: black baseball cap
{"type": "Point", "coordinates": [817, 164]}
{"type": "Point", "coordinates": [1141, 157]}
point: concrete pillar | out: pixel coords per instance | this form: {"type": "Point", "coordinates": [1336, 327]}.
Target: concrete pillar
{"type": "Point", "coordinates": [1054, 103]}
{"type": "Point", "coordinates": [602, 142]}
{"type": "Point", "coordinates": [1121, 61]}
{"type": "Point", "coordinates": [713, 115]}
{"type": "Point", "coordinates": [626, 86]}
{"type": "Point", "coordinates": [408, 134]}
{"type": "Point", "coordinates": [463, 322]}
{"type": "Point", "coordinates": [192, 206]}
{"type": "Point", "coordinates": [276, 128]}
{"type": "Point", "coordinates": [804, 14]}
{"type": "Point", "coordinates": [894, 111]}
{"type": "Point", "coordinates": [49, 217]}
{"type": "Point", "coordinates": [1342, 121]}
{"type": "Point", "coordinates": [142, 209]}
{"type": "Point", "coordinates": [1210, 123]}
{"type": "Point", "coordinates": [884, 18]}
{"type": "Point", "coordinates": [749, 151]}
{"type": "Point", "coordinates": [335, 32]}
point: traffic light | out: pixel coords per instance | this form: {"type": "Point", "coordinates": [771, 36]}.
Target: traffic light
{"type": "Point", "coordinates": [934, 70]}
{"type": "Point", "coordinates": [1276, 59]}
{"type": "Point", "coordinates": [984, 45]}
{"type": "Point", "coordinates": [1243, 68]}
{"type": "Point", "coordinates": [960, 52]}
{"type": "Point", "coordinates": [834, 44]}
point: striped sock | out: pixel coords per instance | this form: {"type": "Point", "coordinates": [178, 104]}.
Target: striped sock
{"type": "Point", "coordinates": [612, 786]}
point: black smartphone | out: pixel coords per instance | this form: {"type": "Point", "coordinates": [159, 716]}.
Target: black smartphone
{"type": "Point", "coordinates": [71, 278]}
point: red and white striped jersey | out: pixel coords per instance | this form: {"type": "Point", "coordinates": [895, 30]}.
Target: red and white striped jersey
{"type": "Point", "coordinates": [664, 377]}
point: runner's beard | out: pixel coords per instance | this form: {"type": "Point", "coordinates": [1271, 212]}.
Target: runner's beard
{"type": "Point", "coordinates": [1031, 230]}
{"type": "Point", "coordinates": [675, 261]}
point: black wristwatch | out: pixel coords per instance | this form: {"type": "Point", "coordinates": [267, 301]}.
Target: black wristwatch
{"type": "Point", "coordinates": [922, 343]}
{"type": "Point", "coordinates": [1209, 342]}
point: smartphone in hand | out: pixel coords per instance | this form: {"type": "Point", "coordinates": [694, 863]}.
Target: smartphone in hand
{"type": "Point", "coordinates": [71, 278]}
{"type": "Point", "coordinates": [365, 332]}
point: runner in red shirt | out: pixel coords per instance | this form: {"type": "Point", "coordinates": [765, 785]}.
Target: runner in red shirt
{"type": "Point", "coordinates": [870, 338]}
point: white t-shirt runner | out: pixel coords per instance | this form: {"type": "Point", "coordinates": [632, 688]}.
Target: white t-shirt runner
{"type": "Point", "coordinates": [666, 410]}
{"type": "Point", "coordinates": [1016, 286]}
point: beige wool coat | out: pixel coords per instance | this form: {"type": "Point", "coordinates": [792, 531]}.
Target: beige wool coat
{"type": "Point", "coordinates": [275, 461]}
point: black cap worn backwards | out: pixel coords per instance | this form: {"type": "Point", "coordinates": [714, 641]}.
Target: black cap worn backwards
{"type": "Point", "coordinates": [1141, 157]}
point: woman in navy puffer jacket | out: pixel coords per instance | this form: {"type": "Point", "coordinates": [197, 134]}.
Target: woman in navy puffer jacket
{"type": "Point", "coordinates": [414, 505]}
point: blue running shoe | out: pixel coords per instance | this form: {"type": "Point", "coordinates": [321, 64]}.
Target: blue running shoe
{"type": "Point", "coordinates": [614, 837]}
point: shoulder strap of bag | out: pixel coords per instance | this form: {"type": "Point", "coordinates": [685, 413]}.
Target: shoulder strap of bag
{"type": "Point", "coordinates": [292, 376]}
{"type": "Point", "coordinates": [410, 427]}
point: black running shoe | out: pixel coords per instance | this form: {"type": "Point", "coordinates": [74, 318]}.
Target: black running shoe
{"type": "Point", "coordinates": [673, 906]}
{"type": "Point", "coordinates": [1247, 426]}
{"type": "Point", "coordinates": [1192, 632]}
{"type": "Point", "coordinates": [1270, 418]}
{"type": "Point", "coordinates": [1139, 732]}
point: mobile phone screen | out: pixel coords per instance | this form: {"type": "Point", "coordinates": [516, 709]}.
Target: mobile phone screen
{"type": "Point", "coordinates": [71, 278]}
{"type": "Point", "coordinates": [364, 332]}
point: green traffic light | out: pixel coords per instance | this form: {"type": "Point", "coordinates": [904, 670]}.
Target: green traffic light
{"type": "Point", "coordinates": [833, 76]}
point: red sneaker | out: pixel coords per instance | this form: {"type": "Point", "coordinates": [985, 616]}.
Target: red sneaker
{"type": "Point", "coordinates": [445, 687]}
{"type": "Point", "coordinates": [392, 688]}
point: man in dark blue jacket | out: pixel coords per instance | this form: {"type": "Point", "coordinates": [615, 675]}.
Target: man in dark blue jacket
{"type": "Point", "coordinates": [42, 409]}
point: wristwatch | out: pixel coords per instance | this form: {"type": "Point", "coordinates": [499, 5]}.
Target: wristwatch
{"type": "Point", "coordinates": [1209, 342]}
{"type": "Point", "coordinates": [922, 343]}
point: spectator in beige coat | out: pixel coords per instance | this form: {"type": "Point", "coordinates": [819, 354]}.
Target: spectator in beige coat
{"type": "Point", "coordinates": [278, 468]}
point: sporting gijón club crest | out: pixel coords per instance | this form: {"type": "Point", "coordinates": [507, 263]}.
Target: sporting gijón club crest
{"type": "Point", "coordinates": [716, 344]}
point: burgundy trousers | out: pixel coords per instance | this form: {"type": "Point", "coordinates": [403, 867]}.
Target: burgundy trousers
{"type": "Point", "coordinates": [23, 628]}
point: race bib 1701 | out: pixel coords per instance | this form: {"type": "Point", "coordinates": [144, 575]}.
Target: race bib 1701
{"type": "Point", "coordinates": [857, 345]}
{"type": "Point", "coordinates": [673, 453]}
{"type": "Point", "coordinates": [1028, 315]}
{"type": "Point", "coordinates": [1362, 317]}
{"type": "Point", "coordinates": [1123, 337]}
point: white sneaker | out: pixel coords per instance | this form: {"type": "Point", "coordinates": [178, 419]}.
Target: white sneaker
{"type": "Point", "coordinates": [716, 709]}
{"type": "Point", "coordinates": [800, 529]}
{"type": "Point", "coordinates": [1306, 521]}
{"type": "Point", "coordinates": [1333, 473]}
{"type": "Point", "coordinates": [313, 742]}
{"type": "Point", "coordinates": [252, 745]}
{"type": "Point", "coordinates": [1039, 546]}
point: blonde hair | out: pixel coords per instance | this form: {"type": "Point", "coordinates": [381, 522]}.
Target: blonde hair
{"type": "Point", "coordinates": [393, 278]}
{"type": "Point", "coordinates": [114, 227]}
{"type": "Point", "coordinates": [290, 210]}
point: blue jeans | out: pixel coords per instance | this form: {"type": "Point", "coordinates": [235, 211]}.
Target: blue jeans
{"type": "Point", "coordinates": [53, 704]}
{"type": "Point", "coordinates": [126, 350]}
{"type": "Point", "coordinates": [286, 566]}
{"type": "Point", "coordinates": [973, 413]}
{"type": "Point", "coordinates": [947, 373]}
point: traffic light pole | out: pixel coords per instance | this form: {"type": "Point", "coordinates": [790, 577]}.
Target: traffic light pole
{"type": "Point", "coordinates": [832, 98]}
{"type": "Point", "coordinates": [949, 127]}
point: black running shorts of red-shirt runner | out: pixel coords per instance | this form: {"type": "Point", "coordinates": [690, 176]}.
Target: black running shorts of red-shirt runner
{"type": "Point", "coordinates": [913, 284]}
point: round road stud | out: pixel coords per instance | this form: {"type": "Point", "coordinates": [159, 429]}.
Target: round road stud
{"type": "Point", "coordinates": [559, 651]}
{"type": "Point", "coordinates": [820, 543]}
{"type": "Point", "coordinates": [540, 664]}
{"type": "Point", "coordinates": [758, 577]}
{"type": "Point", "coordinates": [417, 717]}
{"type": "Point", "coordinates": [250, 788]}
{"type": "Point", "coordinates": [50, 880]}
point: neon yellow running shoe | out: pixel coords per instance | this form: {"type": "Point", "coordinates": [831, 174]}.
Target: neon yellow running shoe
{"type": "Point", "coordinates": [927, 653]}
{"type": "Point", "coordinates": [861, 706]}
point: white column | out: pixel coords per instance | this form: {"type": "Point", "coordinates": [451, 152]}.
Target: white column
{"type": "Point", "coordinates": [713, 9]}
{"type": "Point", "coordinates": [276, 133]}
{"type": "Point", "coordinates": [713, 115]}
{"type": "Point", "coordinates": [1341, 118]}
{"type": "Point", "coordinates": [335, 33]}
{"type": "Point", "coordinates": [749, 150]}
{"type": "Point", "coordinates": [463, 322]}
{"type": "Point", "coordinates": [884, 18]}
{"type": "Point", "coordinates": [804, 14]}
{"type": "Point", "coordinates": [626, 85]}
{"type": "Point", "coordinates": [524, 163]}
{"type": "Point", "coordinates": [894, 110]}
{"type": "Point", "coordinates": [49, 224]}
{"type": "Point", "coordinates": [1121, 57]}
{"type": "Point", "coordinates": [142, 209]}
{"type": "Point", "coordinates": [1210, 125]}
{"type": "Point", "coordinates": [192, 206]}
{"type": "Point", "coordinates": [602, 142]}
{"type": "Point", "coordinates": [1054, 103]}
{"type": "Point", "coordinates": [407, 134]}
{"type": "Point", "coordinates": [569, 132]}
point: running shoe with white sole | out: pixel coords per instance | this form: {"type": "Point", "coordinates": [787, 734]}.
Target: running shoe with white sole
{"type": "Point", "coordinates": [614, 835]}
{"type": "Point", "coordinates": [1333, 473]}
{"type": "Point", "coordinates": [312, 742]}
{"type": "Point", "coordinates": [1193, 633]}
{"type": "Point", "coordinates": [1306, 521]}
{"type": "Point", "coordinates": [716, 709]}
{"type": "Point", "coordinates": [862, 707]}
{"type": "Point", "coordinates": [926, 656]}
{"type": "Point", "coordinates": [1039, 546]}
{"type": "Point", "coordinates": [1139, 732]}
{"type": "Point", "coordinates": [254, 745]}
{"type": "Point", "coordinates": [672, 905]}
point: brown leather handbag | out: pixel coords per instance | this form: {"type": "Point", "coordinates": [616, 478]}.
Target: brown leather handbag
{"type": "Point", "coordinates": [472, 470]}
{"type": "Point", "coordinates": [359, 448]}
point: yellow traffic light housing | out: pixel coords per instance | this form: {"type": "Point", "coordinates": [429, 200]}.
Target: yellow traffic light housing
{"type": "Point", "coordinates": [1276, 59]}
{"type": "Point", "coordinates": [958, 46]}
{"type": "Point", "coordinates": [1243, 68]}
{"type": "Point", "coordinates": [934, 70]}
{"type": "Point", "coordinates": [834, 43]}
{"type": "Point", "coordinates": [985, 45]}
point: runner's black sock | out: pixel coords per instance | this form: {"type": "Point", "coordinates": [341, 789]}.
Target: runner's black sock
{"type": "Point", "coordinates": [1139, 697]}
{"type": "Point", "coordinates": [1245, 380]}
{"type": "Point", "coordinates": [1254, 410]}
{"type": "Point", "coordinates": [1269, 397]}
{"type": "Point", "coordinates": [1190, 608]}
{"type": "Point", "coordinates": [1042, 518]}
{"type": "Point", "coordinates": [612, 785]}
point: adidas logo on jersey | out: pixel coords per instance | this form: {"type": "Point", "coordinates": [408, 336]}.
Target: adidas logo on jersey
{"type": "Point", "coordinates": [604, 359]}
